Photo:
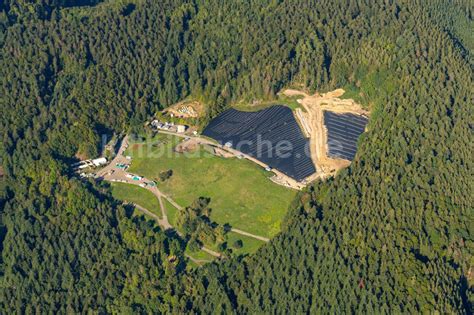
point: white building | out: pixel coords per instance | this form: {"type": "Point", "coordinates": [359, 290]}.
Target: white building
{"type": "Point", "coordinates": [99, 161]}
{"type": "Point", "coordinates": [180, 128]}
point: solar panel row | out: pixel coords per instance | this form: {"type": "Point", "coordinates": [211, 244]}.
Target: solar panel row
{"type": "Point", "coordinates": [343, 132]}
{"type": "Point", "coordinates": [271, 135]}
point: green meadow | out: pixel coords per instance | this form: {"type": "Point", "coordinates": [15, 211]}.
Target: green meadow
{"type": "Point", "coordinates": [241, 193]}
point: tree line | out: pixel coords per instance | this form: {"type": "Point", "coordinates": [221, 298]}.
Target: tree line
{"type": "Point", "coordinates": [389, 234]}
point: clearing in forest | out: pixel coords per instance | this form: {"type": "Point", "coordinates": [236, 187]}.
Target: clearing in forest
{"type": "Point", "coordinates": [240, 191]}
{"type": "Point", "coordinates": [186, 109]}
{"type": "Point", "coordinates": [313, 125]}
{"type": "Point", "coordinates": [271, 136]}
{"type": "Point", "coordinates": [136, 195]}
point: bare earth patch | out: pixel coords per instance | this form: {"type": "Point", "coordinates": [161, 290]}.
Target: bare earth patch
{"type": "Point", "coordinates": [312, 123]}
{"type": "Point", "coordinates": [189, 145]}
{"type": "Point", "coordinates": [81, 156]}
{"type": "Point", "coordinates": [222, 153]}
{"type": "Point", "coordinates": [186, 109]}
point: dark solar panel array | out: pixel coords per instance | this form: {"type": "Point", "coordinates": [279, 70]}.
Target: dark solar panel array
{"type": "Point", "coordinates": [271, 135]}
{"type": "Point", "coordinates": [343, 132]}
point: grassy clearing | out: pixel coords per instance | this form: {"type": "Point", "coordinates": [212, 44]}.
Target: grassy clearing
{"type": "Point", "coordinates": [138, 195]}
{"type": "Point", "coordinates": [200, 255]}
{"type": "Point", "coordinates": [240, 192]}
{"type": "Point", "coordinates": [171, 212]}
{"type": "Point", "coordinates": [191, 265]}
{"type": "Point", "coordinates": [250, 244]}
{"type": "Point", "coordinates": [291, 102]}
{"type": "Point", "coordinates": [351, 91]}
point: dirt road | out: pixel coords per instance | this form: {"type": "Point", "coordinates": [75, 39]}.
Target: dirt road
{"type": "Point", "coordinates": [312, 121]}
{"type": "Point", "coordinates": [261, 238]}
{"type": "Point", "coordinates": [119, 158]}
{"type": "Point", "coordinates": [113, 174]}
{"type": "Point", "coordinates": [164, 223]}
{"type": "Point", "coordinates": [283, 179]}
{"type": "Point", "coordinates": [197, 261]}
{"type": "Point", "coordinates": [121, 176]}
{"type": "Point", "coordinates": [258, 237]}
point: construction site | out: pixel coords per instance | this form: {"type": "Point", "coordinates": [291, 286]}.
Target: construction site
{"type": "Point", "coordinates": [185, 109]}
{"type": "Point", "coordinates": [323, 132]}
{"type": "Point", "coordinates": [332, 125]}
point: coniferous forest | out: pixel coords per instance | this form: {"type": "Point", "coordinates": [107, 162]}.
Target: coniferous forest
{"type": "Point", "coordinates": [390, 234]}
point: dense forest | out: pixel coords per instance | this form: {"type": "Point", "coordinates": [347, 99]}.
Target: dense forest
{"type": "Point", "coordinates": [390, 234]}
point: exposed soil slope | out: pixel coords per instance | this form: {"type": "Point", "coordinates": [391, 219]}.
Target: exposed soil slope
{"type": "Point", "coordinates": [312, 122]}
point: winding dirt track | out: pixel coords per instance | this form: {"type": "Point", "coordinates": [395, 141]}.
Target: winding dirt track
{"type": "Point", "coordinates": [166, 225]}
{"type": "Point", "coordinates": [163, 222]}
{"type": "Point", "coordinates": [261, 238]}
{"type": "Point", "coordinates": [112, 174]}
{"type": "Point", "coordinates": [197, 261]}
{"type": "Point", "coordinates": [258, 237]}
